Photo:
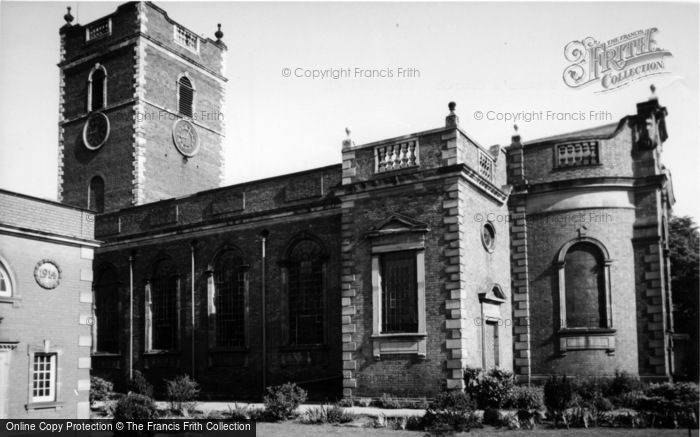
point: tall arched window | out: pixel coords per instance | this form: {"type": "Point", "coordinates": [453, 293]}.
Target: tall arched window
{"type": "Point", "coordinates": [96, 194]}
{"type": "Point", "coordinates": [162, 295]}
{"type": "Point", "coordinates": [306, 293]}
{"type": "Point", "coordinates": [584, 285]}
{"type": "Point", "coordinates": [185, 93]}
{"type": "Point", "coordinates": [5, 283]}
{"type": "Point", "coordinates": [229, 300]}
{"type": "Point", "coordinates": [585, 291]}
{"type": "Point", "coordinates": [97, 88]}
{"type": "Point", "coordinates": [107, 310]}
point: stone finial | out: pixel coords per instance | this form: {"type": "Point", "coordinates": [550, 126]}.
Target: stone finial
{"type": "Point", "coordinates": [515, 139]}
{"type": "Point", "coordinates": [68, 17]}
{"type": "Point", "coordinates": [652, 87]}
{"type": "Point", "coordinates": [452, 120]}
{"type": "Point", "coordinates": [348, 142]}
{"type": "Point", "coordinates": [218, 34]}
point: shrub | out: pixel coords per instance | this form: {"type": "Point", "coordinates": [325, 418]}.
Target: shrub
{"type": "Point", "coordinates": [100, 390]}
{"type": "Point", "coordinates": [182, 393]}
{"type": "Point", "coordinates": [527, 398]}
{"type": "Point", "coordinates": [558, 395]}
{"type": "Point", "coordinates": [281, 401]}
{"type": "Point", "coordinates": [492, 417]}
{"type": "Point", "coordinates": [494, 388]}
{"type": "Point", "coordinates": [622, 383]}
{"type": "Point", "coordinates": [630, 400]}
{"type": "Point", "coordinates": [388, 401]}
{"type": "Point", "coordinates": [364, 402]}
{"type": "Point", "coordinates": [471, 378]}
{"type": "Point", "coordinates": [347, 402]}
{"type": "Point", "coordinates": [337, 414]}
{"type": "Point", "coordinates": [451, 411]}
{"type": "Point", "coordinates": [670, 405]}
{"type": "Point", "coordinates": [135, 407]}
{"type": "Point", "coordinates": [604, 404]}
{"type": "Point", "coordinates": [238, 412]}
{"type": "Point", "coordinates": [139, 385]}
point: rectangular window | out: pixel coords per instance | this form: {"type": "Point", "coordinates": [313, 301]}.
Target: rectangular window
{"type": "Point", "coordinates": [577, 154]}
{"type": "Point", "coordinates": [491, 357]}
{"type": "Point", "coordinates": [44, 377]}
{"type": "Point", "coordinates": [230, 308]}
{"type": "Point", "coordinates": [399, 292]}
{"type": "Point", "coordinates": [164, 314]}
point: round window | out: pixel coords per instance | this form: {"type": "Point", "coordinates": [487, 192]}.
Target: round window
{"type": "Point", "coordinates": [488, 236]}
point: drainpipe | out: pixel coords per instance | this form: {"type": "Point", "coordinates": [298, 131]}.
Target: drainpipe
{"type": "Point", "coordinates": [192, 303]}
{"type": "Point", "coordinates": [263, 240]}
{"type": "Point", "coordinates": [131, 316]}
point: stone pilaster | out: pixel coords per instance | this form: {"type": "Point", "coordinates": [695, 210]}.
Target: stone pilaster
{"type": "Point", "coordinates": [348, 295]}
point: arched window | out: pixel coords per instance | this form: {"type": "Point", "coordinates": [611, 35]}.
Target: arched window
{"type": "Point", "coordinates": [96, 194]}
{"type": "Point", "coordinates": [107, 310]}
{"type": "Point", "coordinates": [585, 293]}
{"type": "Point", "coordinates": [185, 93]}
{"type": "Point", "coordinates": [306, 293]}
{"type": "Point", "coordinates": [162, 303]}
{"type": "Point", "coordinates": [5, 283]}
{"type": "Point", "coordinates": [584, 285]}
{"type": "Point", "coordinates": [229, 300]}
{"type": "Point", "coordinates": [97, 88]}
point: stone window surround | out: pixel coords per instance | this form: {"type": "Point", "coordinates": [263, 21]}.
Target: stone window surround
{"type": "Point", "coordinates": [148, 315]}
{"type": "Point", "coordinates": [490, 303]}
{"type": "Point", "coordinates": [211, 301]}
{"type": "Point", "coordinates": [57, 403]}
{"type": "Point", "coordinates": [177, 88]}
{"type": "Point", "coordinates": [284, 276]}
{"type": "Point", "coordinates": [585, 338]}
{"type": "Point", "coordinates": [398, 343]}
{"type": "Point", "coordinates": [97, 66]}
{"type": "Point", "coordinates": [9, 295]}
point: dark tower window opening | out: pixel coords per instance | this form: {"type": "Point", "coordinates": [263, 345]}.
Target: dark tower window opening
{"type": "Point", "coordinates": [96, 194]}
{"type": "Point", "coordinates": [185, 96]}
{"type": "Point", "coordinates": [97, 89]}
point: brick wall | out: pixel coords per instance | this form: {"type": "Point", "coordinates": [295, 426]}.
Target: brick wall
{"type": "Point", "coordinates": [34, 317]}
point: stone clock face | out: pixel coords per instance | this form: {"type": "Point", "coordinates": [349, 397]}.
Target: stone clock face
{"type": "Point", "coordinates": [96, 131]}
{"type": "Point", "coordinates": [185, 137]}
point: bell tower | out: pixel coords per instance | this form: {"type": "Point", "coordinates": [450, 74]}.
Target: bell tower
{"type": "Point", "coordinates": [140, 109]}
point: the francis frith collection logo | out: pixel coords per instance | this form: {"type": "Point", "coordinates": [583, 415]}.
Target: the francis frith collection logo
{"type": "Point", "coordinates": [616, 62]}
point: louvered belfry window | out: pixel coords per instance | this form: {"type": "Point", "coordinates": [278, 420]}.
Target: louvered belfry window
{"type": "Point", "coordinates": [399, 293]}
{"type": "Point", "coordinates": [98, 89]}
{"type": "Point", "coordinates": [186, 97]}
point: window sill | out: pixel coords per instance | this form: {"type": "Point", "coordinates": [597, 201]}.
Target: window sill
{"type": "Point", "coordinates": [400, 335]}
{"type": "Point", "coordinates": [577, 339]}
{"type": "Point", "coordinates": [159, 353]}
{"type": "Point", "coordinates": [106, 354]}
{"type": "Point", "coordinates": [15, 301]}
{"type": "Point", "coordinates": [44, 406]}
{"type": "Point", "coordinates": [574, 167]}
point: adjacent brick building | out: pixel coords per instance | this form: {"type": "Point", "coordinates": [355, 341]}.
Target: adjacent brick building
{"type": "Point", "coordinates": [46, 255]}
{"type": "Point", "coordinates": [391, 272]}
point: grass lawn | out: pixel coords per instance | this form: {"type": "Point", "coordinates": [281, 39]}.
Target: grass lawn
{"type": "Point", "coordinates": [289, 429]}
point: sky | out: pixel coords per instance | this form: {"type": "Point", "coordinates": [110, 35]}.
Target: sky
{"type": "Point", "coordinates": [492, 59]}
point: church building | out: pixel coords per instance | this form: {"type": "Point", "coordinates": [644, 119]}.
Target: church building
{"type": "Point", "coordinates": [413, 258]}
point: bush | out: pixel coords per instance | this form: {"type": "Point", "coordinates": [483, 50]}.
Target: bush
{"type": "Point", "coordinates": [622, 383]}
{"type": "Point", "coordinates": [238, 412]}
{"type": "Point", "coordinates": [388, 401]}
{"type": "Point", "coordinates": [135, 407]}
{"type": "Point", "coordinates": [182, 393]}
{"type": "Point", "coordinates": [325, 414]}
{"type": "Point", "coordinates": [527, 398]}
{"type": "Point", "coordinates": [604, 404]}
{"type": "Point", "coordinates": [451, 411]}
{"type": "Point", "coordinates": [558, 393]}
{"type": "Point", "coordinates": [139, 385]}
{"type": "Point", "coordinates": [494, 389]}
{"type": "Point", "coordinates": [100, 390]}
{"type": "Point", "coordinates": [492, 417]}
{"type": "Point", "coordinates": [337, 414]}
{"type": "Point", "coordinates": [670, 405]}
{"type": "Point", "coordinates": [281, 401]}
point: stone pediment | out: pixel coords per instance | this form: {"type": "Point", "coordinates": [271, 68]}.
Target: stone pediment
{"type": "Point", "coordinates": [396, 224]}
